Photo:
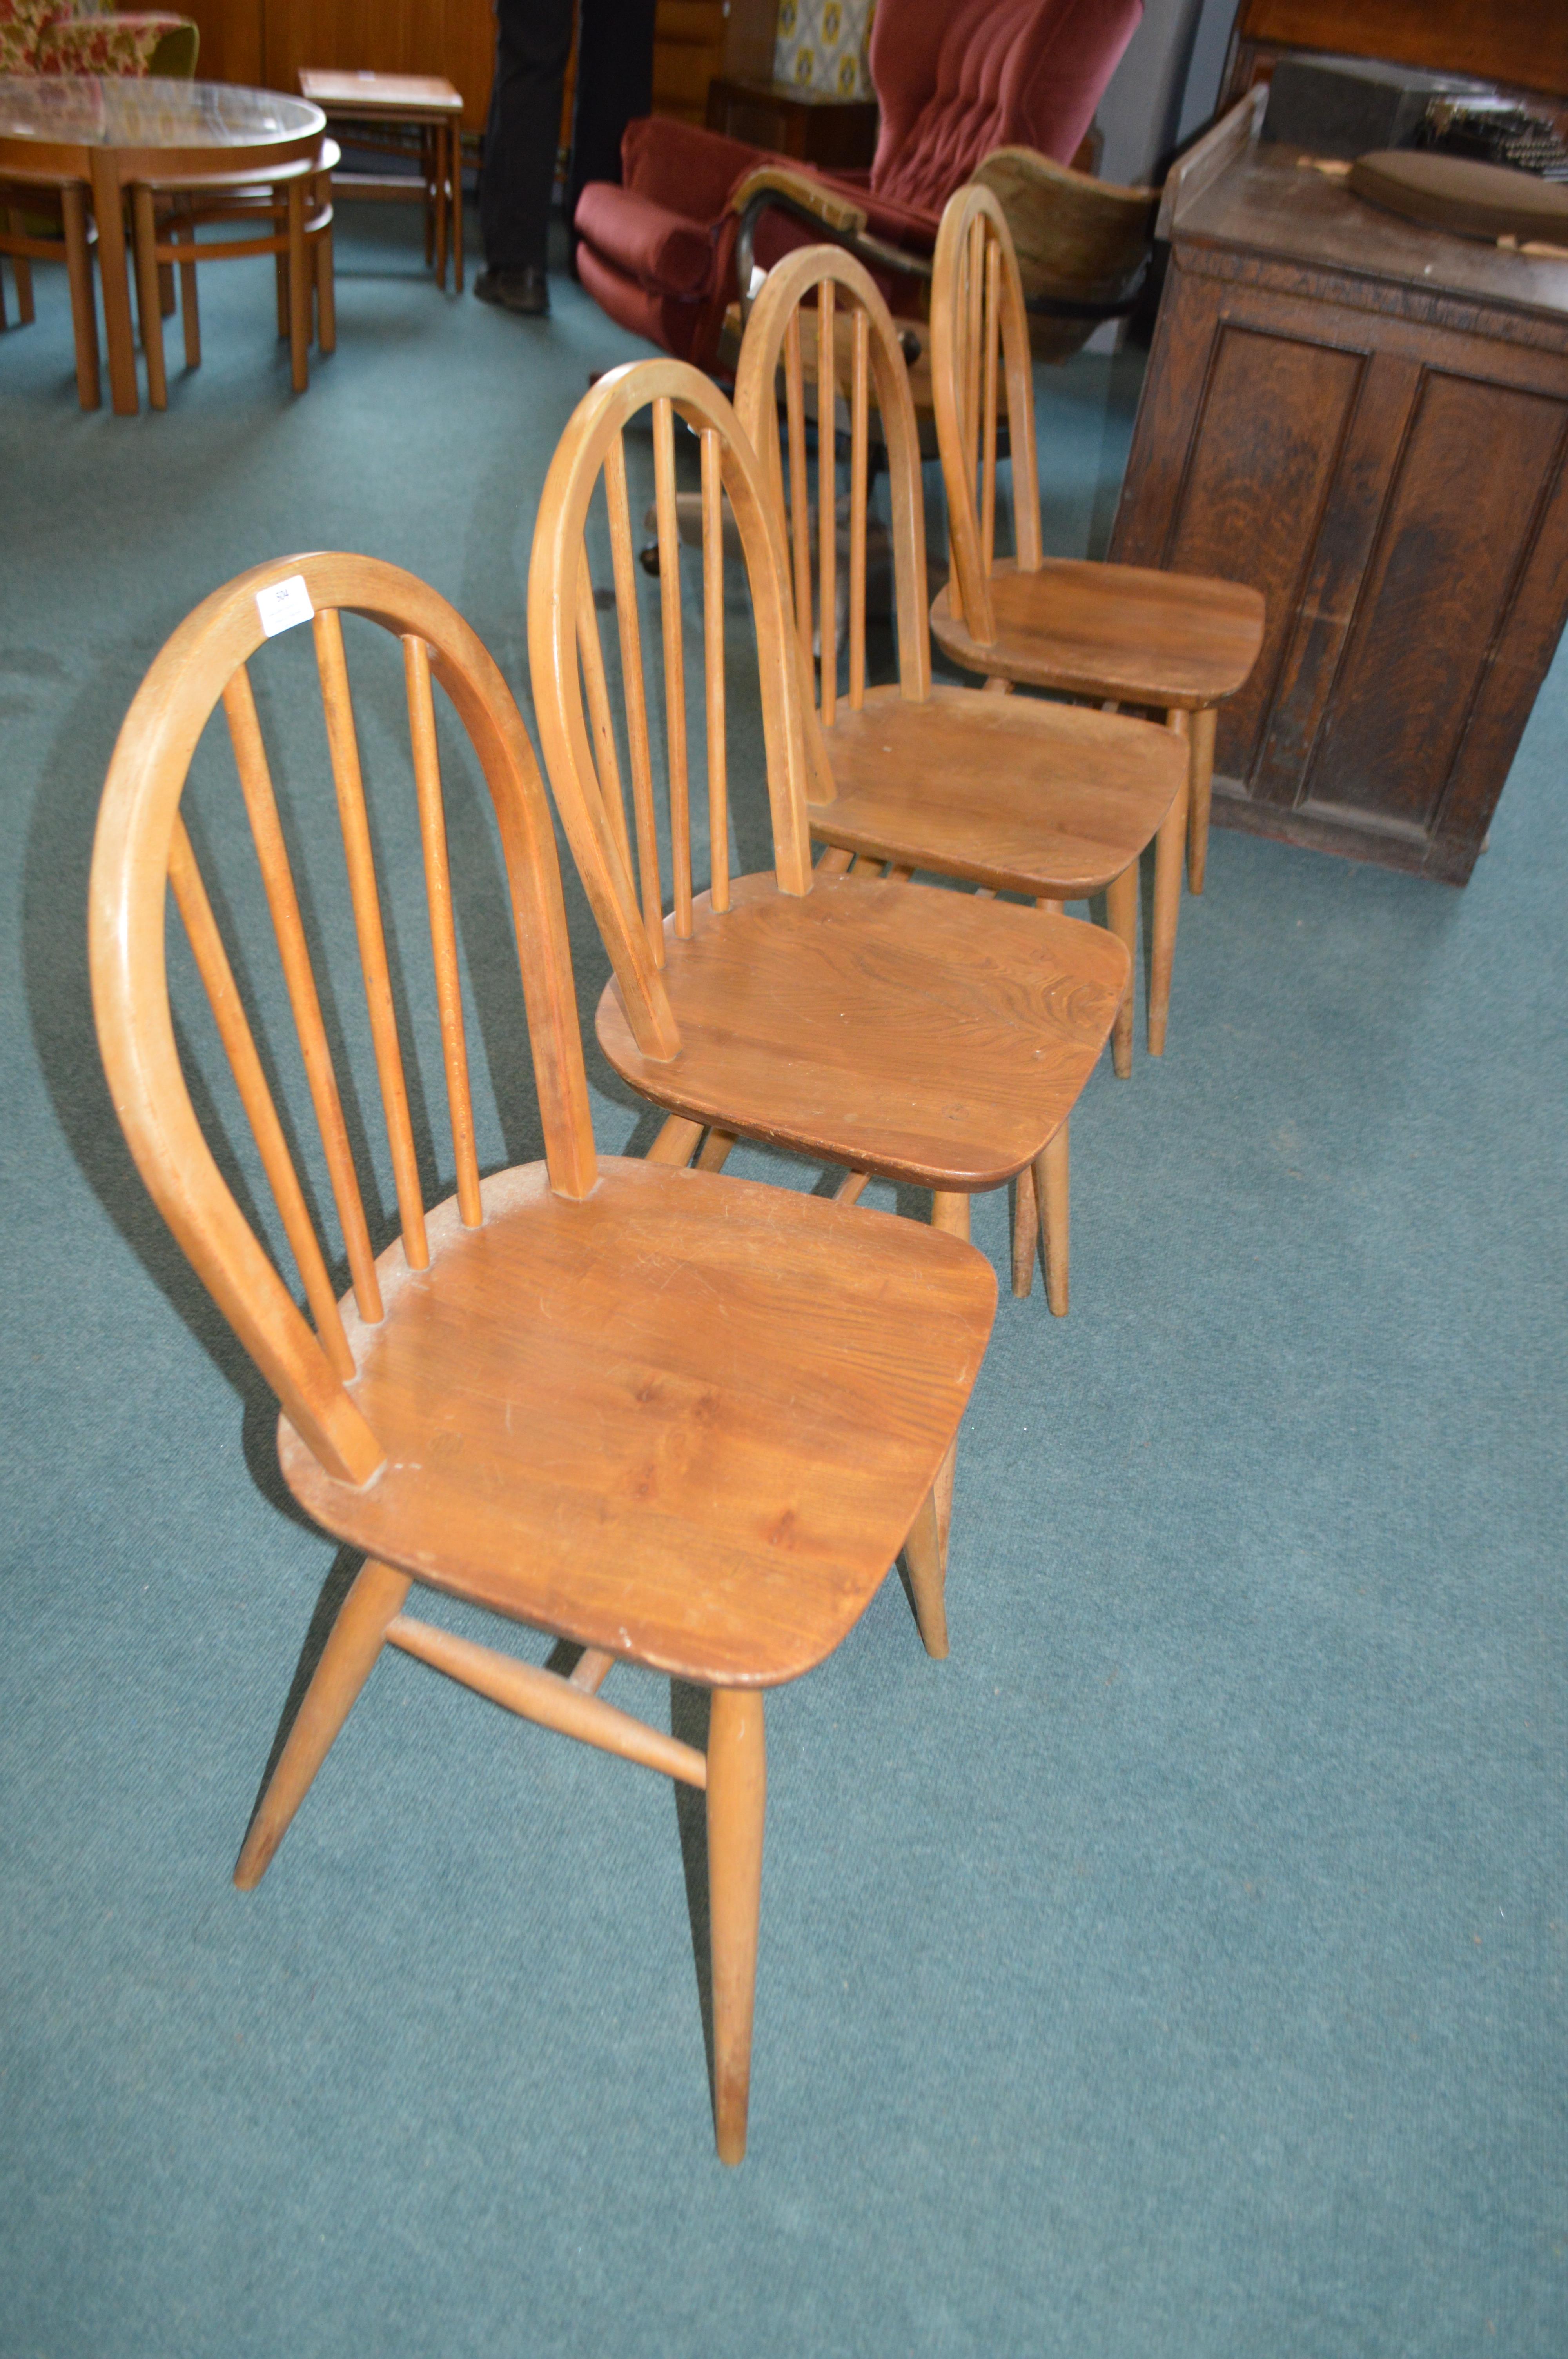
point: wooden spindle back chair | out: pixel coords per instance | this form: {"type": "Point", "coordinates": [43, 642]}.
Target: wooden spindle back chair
{"type": "Point", "coordinates": [621, 867]}
{"type": "Point", "coordinates": [1022, 795]}
{"type": "Point", "coordinates": [1174, 643]}
{"type": "Point", "coordinates": [664, 1415]}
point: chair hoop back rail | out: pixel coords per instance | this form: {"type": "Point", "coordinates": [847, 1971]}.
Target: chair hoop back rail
{"type": "Point", "coordinates": [143, 849]}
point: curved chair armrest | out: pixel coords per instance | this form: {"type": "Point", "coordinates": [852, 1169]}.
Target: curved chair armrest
{"type": "Point", "coordinates": [1083, 245]}
{"type": "Point", "coordinates": [837, 221]}
{"type": "Point", "coordinates": [805, 195]}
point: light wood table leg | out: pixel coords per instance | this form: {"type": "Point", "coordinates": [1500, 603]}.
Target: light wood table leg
{"type": "Point", "coordinates": [83, 303]}
{"type": "Point", "coordinates": [107, 203]}
{"type": "Point", "coordinates": [182, 233]}
{"type": "Point", "coordinates": [347, 1661]}
{"type": "Point", "coordinates": [149, 303]}
{"type": "Point", "coordinates": [1200, 787]}
{"type": "Point", "coordinates": [1121, 915]}
{"type": "Point", "coordinates": [1170, 849]}
{"type": "Point", "coordinates": [950, 1211]}
{"type": "Point", "coordinates": [737, 1803]}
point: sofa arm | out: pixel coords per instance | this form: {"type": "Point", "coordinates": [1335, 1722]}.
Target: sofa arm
{"type": "Point", "coordinates": [802, 194]}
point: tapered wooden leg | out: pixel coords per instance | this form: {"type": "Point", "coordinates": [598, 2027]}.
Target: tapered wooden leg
{"type": "Point", "coordinates": [26, 311]}
{"type": "Point", "coordinates": [737, 1802]}
{"type": "Point", "coordinates": [166, 289]}
{"type": "Point", "coordinates": [326, 286]}
{"type": "Point", "coordinates": [1055, 1231]}
{"type": "Point", "coordinates": [834, 862]}
{"type": "Point", "coordinates": [925, 1563]}
{"type": "Point", "coordinates": [149, 309]}
{"type": "Point", "coordinates": [455, 155]}
{"type": "Point", "coordinates": [1170, 849]}
{"type": "Point", "coordinates": [1200, 780]}
{"type": "Point", "coordinates": [949, 1210]}
{"type": "Point", "coordinates": [1025, 1227]}
{"type": "Point", "coordinates": [1121, 916]}
{"type": "Point", "coordinates": [184, 234]}
{"type": "Point", "coordinates": [715, 1150]}
{"type": "Point", "coordinates": [83, 304]}
{"type": "Point", "coordinates": [676, 1142]}
{"type": "Point", "coordinates": [298, 290]}
{"type": "Point", "coordinates": [280, 282]}
{"type": "Point", "coordinates": [347, 1661]}
{"type": "Point", "coordinates": [108, 213]}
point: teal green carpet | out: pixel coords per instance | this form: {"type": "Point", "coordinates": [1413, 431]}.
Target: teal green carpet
{"type": "Point", "coordinates": [1176, 1973]}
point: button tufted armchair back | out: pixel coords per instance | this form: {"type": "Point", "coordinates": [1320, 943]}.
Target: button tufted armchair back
{"type": "Point", "coordinates": [954, 83]}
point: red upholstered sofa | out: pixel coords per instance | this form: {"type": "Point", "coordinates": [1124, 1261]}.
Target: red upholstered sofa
{"type": "Point", "coordinates": [954, 79]}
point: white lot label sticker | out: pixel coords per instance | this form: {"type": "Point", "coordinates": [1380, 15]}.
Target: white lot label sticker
{"type": "Point", "coordinates": [282, 604]}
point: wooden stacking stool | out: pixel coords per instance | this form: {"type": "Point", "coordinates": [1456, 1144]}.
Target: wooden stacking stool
{"type": "Point", "coordinates": [379, 104]}
{"type": "Point", "coordinates": [28, 234]}
{"type": "Point", "coordinates": [293, 209]}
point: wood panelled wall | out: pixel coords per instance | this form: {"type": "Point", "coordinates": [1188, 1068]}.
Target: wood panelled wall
{"type": "Point", "coordinates": [265, 42]}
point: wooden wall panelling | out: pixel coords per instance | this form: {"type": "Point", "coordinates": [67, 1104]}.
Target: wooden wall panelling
{"type": "Point", "coordinates": [1519, 41]}
{"type": "Point", "coordinates": [231, 40]}
{"type": "Point", "coordinates": [454, 38]}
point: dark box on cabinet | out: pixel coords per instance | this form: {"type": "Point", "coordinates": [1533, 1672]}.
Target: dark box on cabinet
{"type": "Point", "coordinates": [1345, 106]}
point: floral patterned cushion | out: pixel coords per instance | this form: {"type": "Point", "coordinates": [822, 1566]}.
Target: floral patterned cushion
{"type": "Point", "coordinates": [105, 45]}
{"type": "Point", "coordinates": [45, 37]}
{"type": "Point", "coordinates": [21, 23]}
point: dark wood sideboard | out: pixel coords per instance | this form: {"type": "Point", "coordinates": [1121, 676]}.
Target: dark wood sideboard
{"type": "Point", "coordinates": [1369, 421]}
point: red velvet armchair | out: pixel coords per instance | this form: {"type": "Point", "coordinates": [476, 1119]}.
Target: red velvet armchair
{"type": "Point", "coordinates": [954, 83]}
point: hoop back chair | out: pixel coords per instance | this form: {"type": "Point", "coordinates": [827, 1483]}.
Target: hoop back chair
{"type": "Point", "coordinates": [1174, 643]}
{"type": "Point", "coordinates": [877, 1025]}
{"type": "Point", "coordinates": [1017, 796]}
{"type": "Point", "coordinates": [677, 1418]}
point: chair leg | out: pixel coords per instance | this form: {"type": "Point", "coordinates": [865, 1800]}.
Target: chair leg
{"type": "Point", "coordinates": [737, 1802]}
{"type": "Point", "coordinates": [326, 290]}
{"type": "Point", "coordinates": [1051, 1188]}
{"type": "Point", "coordinates": [21, 270]}
{"type": "Point", "coordinates": [676, 1142]}
{"type": "Point", "coordinates": [1200, 792]}
{"type": "Point", "coordinates": [347, 1661]}
{"type": "Point", "coordinates": [1025, 1228]}
{"type": "Point", "coordinates": [715, 1150]}
{"type": "Point", "coordinates": [83, 304]}
{"type": "Point", "coordinates": [1121, 916]}
{"type": "Point", "coordinates": [455, 159]}
{"type": "Point", "coordinates": [166, 290]}
{"type": "Point", "coordinates": [1170, 848]}
{"type": "Point", "coordinates": [149, 309]}
{"type": "Point", "coordinates": [298, 290]}
{"type": "Point", "coordinates": [949, 1210]}
{"type": "Point", "coordinates": [927, 1568]}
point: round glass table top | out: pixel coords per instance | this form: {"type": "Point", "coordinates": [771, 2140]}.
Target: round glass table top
{"type": "Point", "coordinates": [130, 111]}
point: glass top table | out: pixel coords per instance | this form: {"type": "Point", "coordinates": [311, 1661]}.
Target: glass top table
{"type": "Point", "coordinates": [108, 131]}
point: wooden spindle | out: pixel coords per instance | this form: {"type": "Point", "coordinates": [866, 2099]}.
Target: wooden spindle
{"type": "Point", "coordinates": [859, 498]}
{"type": "Point", "coordinates": [623, 562]}
{"type": "Point", "coordinates": [345, 753]}
{"type": "Point", "coordinates": [799, 495]}
{"type": "Point", "coordinates": [827, 498]}
{"type": "Point", "coordinates": [987, 404]}
{"type": "Point", "coordinates": [590, 655]}
{"type": "Point", "coordinates": [675, 658]}
{"type": "Point", "coordinates": [713, 656]}
{"type": "Point", "coordinates": [443, 932]}
{"type": "Point", "coordinates": [272, 858]}
{"type": "Point", "coordinates": [240, 1047]}
{"type": "Point", "coordinates": [974, 286]}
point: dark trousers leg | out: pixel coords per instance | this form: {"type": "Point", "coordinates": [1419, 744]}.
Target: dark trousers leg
{"type": "Point", "coordinates": [614, 85]}
{"type": "Point", "coordinates": [532, 42]}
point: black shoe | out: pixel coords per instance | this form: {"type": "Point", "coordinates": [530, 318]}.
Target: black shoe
{"type": "Point", "coordinates": [524, 291]}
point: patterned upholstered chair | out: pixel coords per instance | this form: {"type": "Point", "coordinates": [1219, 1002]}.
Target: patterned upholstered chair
{"type": "Point", "coordinates": [954, 79]}
{"type": "Point", "coordinates": [63, 37]}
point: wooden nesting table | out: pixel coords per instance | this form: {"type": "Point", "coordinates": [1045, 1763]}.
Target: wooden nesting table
{"type": "Point", "coordinates": [1367, 420]}
{"type": "Point", "coordinates": [106, 133]}
{"type": "Point", "coordinates": [380, 102]}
